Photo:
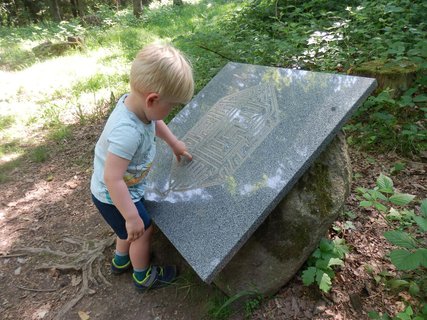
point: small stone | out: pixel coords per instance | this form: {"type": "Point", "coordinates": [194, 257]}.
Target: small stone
{"type": "Point", "coordinates": [71, 184]}
{"type": "Point", "coordinates": [17, 271]}
{"type": "Point", "coordinates": [22, 260]}
{"type": "Point", "coordinates": [319, 307]}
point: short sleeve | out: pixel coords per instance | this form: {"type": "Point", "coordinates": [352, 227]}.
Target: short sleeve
{"type": "Point", "coordinates": [123, 141]}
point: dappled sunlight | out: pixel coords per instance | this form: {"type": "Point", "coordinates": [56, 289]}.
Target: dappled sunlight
{"type": "Point", "coordinates": [44, 93]}
{"type": "Point", "coordinates": [162, 3]}
{"type": "Point", "coordinates": [23, 208]}
{"type": "Point", "coordinates": [45, 78]}
{"type": "Point", "coordinates": [9, 157]}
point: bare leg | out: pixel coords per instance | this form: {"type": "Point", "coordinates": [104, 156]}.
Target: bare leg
{"type": "Point", "coordinates": [122, 245]}
{"type": "Point", "coordinates": [140, 250]}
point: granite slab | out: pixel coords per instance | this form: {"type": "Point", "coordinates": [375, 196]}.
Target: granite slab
{"type": "Point", "coordinates": [252, 131]}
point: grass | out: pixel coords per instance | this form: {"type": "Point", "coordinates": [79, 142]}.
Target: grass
{"type": "Point", "coordinates": [78, 87]}
{"type": "Point", "coordinates": [40, 154]}
{"type": "Point", "coordinates": [6, 121]}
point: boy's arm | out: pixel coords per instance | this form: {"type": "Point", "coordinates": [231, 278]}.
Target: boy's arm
{"type": "Point", "coordinates": [114, 170]}
{"type": "Point", "coordinates": [179, 148]}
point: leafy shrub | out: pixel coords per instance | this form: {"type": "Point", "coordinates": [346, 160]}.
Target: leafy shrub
{"type": "Point", "coordinates": [320, 270]}
{"type": "Point", "coordinates": [385, 123]}
{"type": "Point", "coordinates": [410, 257]}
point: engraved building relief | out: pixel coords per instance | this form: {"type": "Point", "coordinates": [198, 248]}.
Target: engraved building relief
{"type": "Point", "coordinates": [226, 136]}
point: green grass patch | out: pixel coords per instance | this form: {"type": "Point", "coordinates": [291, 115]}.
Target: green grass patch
{"type": "Point", "coordinates": [6, 121]}
{"type": "Point", "coordinates": [60, 133]}
{"type": "Point", "coordinates": [8, 148]}
{"type": "Point", "coordinates": [39, 154]}
{"type": "Point", "coordinates": [7, 168]}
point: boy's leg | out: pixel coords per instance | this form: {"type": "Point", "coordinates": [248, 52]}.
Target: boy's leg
{"type": "Point", "coordinates": [140, 250]}
{"type": "Point", "coordinates": [122, 245]}
{"type": "Point", "coordinates": [121, 261]}
{"type": "Point", "coordinates": [146, 276]}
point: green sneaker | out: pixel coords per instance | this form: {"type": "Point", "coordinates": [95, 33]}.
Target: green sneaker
{"type": "Point", "coordinates": [156, 277]}
{"type": "Point", "coordinates": [116, 269]}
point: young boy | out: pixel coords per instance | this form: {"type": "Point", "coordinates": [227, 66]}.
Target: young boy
{"type": "Point", "coordinates": [160, 78]}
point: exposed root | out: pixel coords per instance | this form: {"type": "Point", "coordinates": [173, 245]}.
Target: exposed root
{"type": "Point", "coordinates": [88, 260]}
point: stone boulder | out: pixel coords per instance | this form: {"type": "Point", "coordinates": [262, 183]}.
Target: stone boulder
{"type": "Point", "coordinates": [284, 241]}
{"type": "Point", "coordinates": [50, 49]}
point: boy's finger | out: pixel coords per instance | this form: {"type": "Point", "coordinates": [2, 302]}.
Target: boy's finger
{"type": "Point", "coordinates": [188, 155]}
{"type": "Point", "coordinates": [130, 238]}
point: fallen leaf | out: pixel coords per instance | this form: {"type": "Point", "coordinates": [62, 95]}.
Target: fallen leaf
{"type": "Point", "coordinates": [83, 315]}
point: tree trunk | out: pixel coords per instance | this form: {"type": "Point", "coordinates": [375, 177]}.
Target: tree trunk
{"type": "Point", "coordinates": [81, 6]}
{"type": "Point", "coordinates": [32, 9]}
{"type": "Point", "coordinates": [122, 3]}
{"type": "Point", "coordinates": [54, 10]}
{"type": "Point", "coordinates": [137, 8]}
{"type": "Point", "coordinates": [177, 2]}
{"type": "Point", "coordinates": [74, 8]}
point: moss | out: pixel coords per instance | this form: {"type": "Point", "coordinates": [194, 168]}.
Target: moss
{"type": "Point", "coordinates": [300, 235]}
{"type": "Point", "coordinates": [382, 67]}
{"type": "Point", "coordinates": [397, 76]}
{"type": "Point", "coordinates": [315, 183]}
{"type": "Point", "coordinates": [298, 232]}
{"type": "Point", "coordinates": [318, 184]}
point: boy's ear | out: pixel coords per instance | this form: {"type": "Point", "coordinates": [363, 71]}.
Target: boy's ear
{"type": "Point", "coordinates": [151, 98]}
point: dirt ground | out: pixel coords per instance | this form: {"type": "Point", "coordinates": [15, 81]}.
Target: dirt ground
{"type": "Point", "coordinates": [55, 251]}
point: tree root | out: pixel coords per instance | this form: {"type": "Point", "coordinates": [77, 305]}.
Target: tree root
{"type": "Point", "coordinates": [89, 257]}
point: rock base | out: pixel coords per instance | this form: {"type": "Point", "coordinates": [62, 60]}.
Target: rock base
{"type": "Point", "coordinates": [281, 245]}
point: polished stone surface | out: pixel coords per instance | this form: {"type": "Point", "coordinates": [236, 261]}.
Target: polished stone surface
{"type": "Point", "coordinates": [252, 131]}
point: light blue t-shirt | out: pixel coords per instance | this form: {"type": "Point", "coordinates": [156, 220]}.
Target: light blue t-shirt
{"type": "Point", "coordinates": [127, 137]}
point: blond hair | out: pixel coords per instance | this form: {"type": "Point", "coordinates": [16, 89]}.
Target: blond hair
{"type": "Point", "coordinates": [163, 69]}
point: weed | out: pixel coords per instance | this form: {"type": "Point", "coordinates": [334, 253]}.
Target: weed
{"type": "Point", "coordinates": [219, 309]}
{"type": "Point", "coordinates": [6, 121]}
{"type": "Point", "coordinates": [221, 305]}
{"type": "Point", "coordinates": [11, 147]}
{"type": "Point", "coordinates": [51, 114]}
{"type": "Point", "coordinates": [410, 257]}
{"type": "Point", "coordinates": [320, 270]}
{"type": "Point", "coordinates": [60, 133]}
{"type": "Point", "coordinates": [40, 154]}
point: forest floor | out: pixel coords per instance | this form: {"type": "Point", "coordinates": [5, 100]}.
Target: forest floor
{"type": "Point", "coordinates": [62, 268]}
{"type": "Point", "coordinates": [47, 205]}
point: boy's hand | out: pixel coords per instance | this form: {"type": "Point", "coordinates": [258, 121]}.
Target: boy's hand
{"type": "Point", "coordinates": [180, 149]}
{"type": "Point", "coordinates": [135, 228]}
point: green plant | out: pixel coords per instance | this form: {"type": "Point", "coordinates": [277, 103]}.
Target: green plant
{"type": "Point", "coordinates": [397, 167]}
{"type": "Point", "coordinates": [410, 257]}
{"type": "Point", "coordinates": [221, 305]}
{"type": "Point", "coordinates": [60, 133]}
{"type": "Point", "coordinates": [320, 270]}
{"type": "Point", "coordinates": [340, 226]}
{"type": "Point", "coordinates": [219, 309]}
{"type": "Point", "coordinates": [51, 114]}
{"type": "Point", "coordinates": [252, 304]}
{"type": "Point", "coordinates": [6, 121]}
{"type": "Point", "coordinates": [383, 194]}
{"type": "Point", "coordinates": [39, 154]}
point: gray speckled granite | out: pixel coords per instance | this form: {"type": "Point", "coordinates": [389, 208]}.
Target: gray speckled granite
{"type": "Point", "coordinates": [252, 131]}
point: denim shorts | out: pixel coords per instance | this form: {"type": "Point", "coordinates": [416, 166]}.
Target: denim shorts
{"type": "Point", "coordinates": [115, 219]}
